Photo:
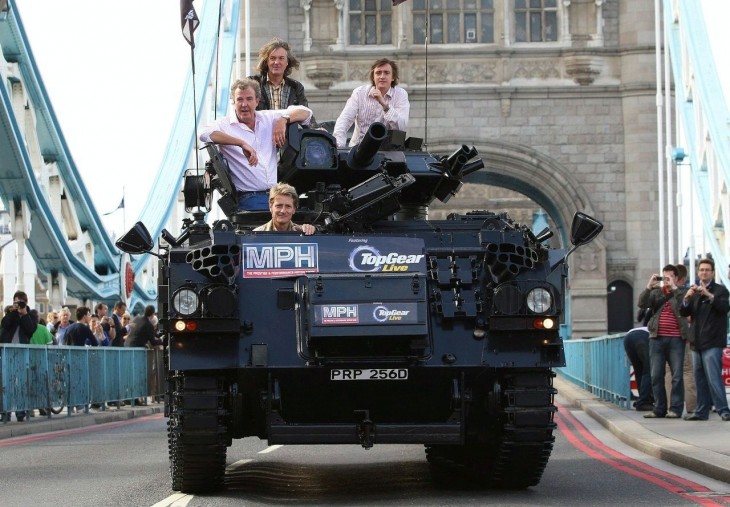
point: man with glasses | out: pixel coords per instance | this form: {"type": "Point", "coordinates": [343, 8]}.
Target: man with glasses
{"type": "Point", "coordinates": [708, 304]}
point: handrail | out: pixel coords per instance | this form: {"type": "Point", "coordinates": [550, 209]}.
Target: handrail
{"type": "Point", "coordinates": [39, 377]}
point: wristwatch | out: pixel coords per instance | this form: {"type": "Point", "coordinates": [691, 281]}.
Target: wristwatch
{"type": "Point", "coordinates": [286, 116]}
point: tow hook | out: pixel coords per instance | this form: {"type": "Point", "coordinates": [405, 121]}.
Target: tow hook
{"type": "Point", "coordinates": [365, 429]}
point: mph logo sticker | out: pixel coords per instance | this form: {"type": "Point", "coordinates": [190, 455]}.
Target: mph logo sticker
{"type": "Point", "coordinates": [265, 260]}
{"type": "Point", "coordinates": [367, 258]}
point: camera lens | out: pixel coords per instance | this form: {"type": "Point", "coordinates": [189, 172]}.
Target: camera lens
{"type": "Point", "coordinates": [21, 304]}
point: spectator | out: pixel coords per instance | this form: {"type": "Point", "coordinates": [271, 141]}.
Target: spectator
{"type": "Point", "coordinates": [143, 330]}
{"type": "Point", "coordinates": [708, 304]}
{"type": "Point", "coordinates": [379, 101]}
{"type": "Point", "coordinates": [51, 321]}
{"type": "Point", "coordinates": [667, 330]}
{"type": "Point", "coordinates": [17, 326]}
{"type": "Point", "coordinates": [101, 336]}
{"type": "Point", "coordinates": [101, 311]}
{"type": "Point", "coordinates": [64, 322]}
{"type": "Point", "coordinates": [636, 345]}
{"type": "Point", "coordinates": [79, 333]}
{"type": "Point", "coordinates": [120, 329]}
{"type": "Point", "coordinates": [127, 322]}
{"type": "Point", "coordinates": [41, 335]}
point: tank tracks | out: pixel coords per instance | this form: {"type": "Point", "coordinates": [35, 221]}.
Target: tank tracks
{"type": "Point", "coordinates": [509, 437]}
{"type": "Point", "coordinates": [197, 436]}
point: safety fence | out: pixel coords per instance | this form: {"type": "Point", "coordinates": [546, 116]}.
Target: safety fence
{"type": "Point", "coordinates": [37, 377]}
{"type": "Point", "coordinates": [599, 365]}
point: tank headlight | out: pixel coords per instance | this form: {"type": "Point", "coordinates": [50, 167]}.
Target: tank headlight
{"type": "Point", "coordinates": [539, 300]}
{"type": "Point", "coordinates": [185, 301]}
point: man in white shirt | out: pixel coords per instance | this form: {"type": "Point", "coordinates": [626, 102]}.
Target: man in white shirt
{"type": "Point", "coordinates": [249, 141]}
{"type": "Point", "coordinates": [379, 101]}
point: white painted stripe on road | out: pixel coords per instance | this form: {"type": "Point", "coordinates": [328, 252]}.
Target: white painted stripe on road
{"type": "Point", "coordinates": [175, 500]}
{"type": "Point", "coordinates": [237, 463]}
{"type": "Point", "coordinates": [270, 448]}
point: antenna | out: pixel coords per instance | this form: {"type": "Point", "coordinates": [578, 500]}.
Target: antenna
{"type": "Point", "coordinates": [428, 36]}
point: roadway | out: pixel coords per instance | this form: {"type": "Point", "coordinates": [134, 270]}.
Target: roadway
{"type": "Point", "coordinates": [124, 463]}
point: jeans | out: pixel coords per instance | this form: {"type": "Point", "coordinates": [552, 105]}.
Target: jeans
{"type": "Point", "coordinates": [636, 345]}
{"type": "Point", "coordinates": [708, 377]}
{"type": "Point", "coordinates": [663, 349]}
{"type": "Point", "coordinates": [258, 201]}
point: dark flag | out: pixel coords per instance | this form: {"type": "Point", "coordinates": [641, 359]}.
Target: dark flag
{"type": "Point", "coordinates": [397, 2]}
{"type": "Point", "coordinates": [189, 20]}
{"type": "Point", "coordinates": [121, 206]}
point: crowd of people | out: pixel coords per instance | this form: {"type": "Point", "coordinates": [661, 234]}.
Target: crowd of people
{"type": "Point", "coordinates": [22, 325]}
{"type": "Point", "coordinates": [686, 328]}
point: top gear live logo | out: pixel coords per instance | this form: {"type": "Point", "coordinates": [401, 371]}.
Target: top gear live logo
{"type": "Point", "coordinates": [368, 259]}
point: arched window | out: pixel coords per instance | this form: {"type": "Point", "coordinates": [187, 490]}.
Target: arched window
{"type": "Point", "coordinates": [536, 20]}
{"type": "Point", "coordinates": [371, 22]}
{"type": "Point", "coordinates": [453, 21]}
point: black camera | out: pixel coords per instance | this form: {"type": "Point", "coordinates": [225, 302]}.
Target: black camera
{"type": "Point", "coordinates": [21, 304]}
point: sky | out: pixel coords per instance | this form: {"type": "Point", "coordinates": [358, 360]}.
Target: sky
{"type": "Point", "coordinates": [114, 72]}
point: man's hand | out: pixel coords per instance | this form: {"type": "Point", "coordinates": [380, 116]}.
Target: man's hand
{"type": "Point", "coordinates": [307, 229]}
{"type": "Point", "coordinates": [250, 153]}
{"type": "Point", "coordinates": [375, 93]}
{"type": "Point", "coordinates": [280, 132]}
{"type": "Point", "coordinates": [654, 281]}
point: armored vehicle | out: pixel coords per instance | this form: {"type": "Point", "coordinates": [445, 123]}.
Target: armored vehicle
{"type": "Point", "coordinates": [384, 327]}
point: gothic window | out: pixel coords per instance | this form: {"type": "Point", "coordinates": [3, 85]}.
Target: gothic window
{"type": "Point", "coordinates": [370, 22]}
{"type": "Point", "coordinates": [536, 20]}
{"type": "Point", "coordinates": [453, 21]}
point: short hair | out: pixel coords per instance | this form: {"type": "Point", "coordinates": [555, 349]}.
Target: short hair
{"type": "Point", "coordinates": [64, 311]}
{"type": "Point", "coordinates": [681, 271]}
{"type": "Point", "coordinates": [19, 294]}
{"type": "Point", "coordinates": [81, 312]}
{"type": "Point", "coordinates": [263, 66]}
{"type": "Point", "coordinates": [120, 304]}
{"type": "Point", "coordinates": [709, 261]}
{"type": "Point", "coordinates": [384, 61]}
{"type": "Point", "coordinates": [672, 268]}
{"type": "Point", "coordinates": [98, 307]}
{"type": "Point", "coordinates": [283, 189]}
{"type": "Point", "coordinates": [149, 311]}
{"type": "Point", "coordinates": [242, 84]}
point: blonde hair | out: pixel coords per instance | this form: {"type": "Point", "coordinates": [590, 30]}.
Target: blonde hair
{"type": "Point", "coordinates": [283, 189]}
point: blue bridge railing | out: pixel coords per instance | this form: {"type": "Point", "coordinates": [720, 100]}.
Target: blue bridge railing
{"type": "Point", "coordinates": [599, 365]}
{"type": "Point", "coordinates": [37, 377]}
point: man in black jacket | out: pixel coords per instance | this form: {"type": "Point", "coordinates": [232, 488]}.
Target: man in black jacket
{"type": "Point", "coordinates": [278, 90]}
{"type": "Point", "coordinates": [17, 326]}
{"type": "Point", "coordinates": [143, 330]}
{"type": "Point", "coordinates": [708, 304]}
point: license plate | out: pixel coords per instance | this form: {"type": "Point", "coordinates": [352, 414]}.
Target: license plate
{"type": "Point", "coordinates": [369, 374]}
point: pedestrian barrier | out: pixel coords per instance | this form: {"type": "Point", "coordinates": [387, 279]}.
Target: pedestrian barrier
{"type": "Point", "coordinates": [36, 377]}
{"type": "Point", "coordinates": [599, 365]}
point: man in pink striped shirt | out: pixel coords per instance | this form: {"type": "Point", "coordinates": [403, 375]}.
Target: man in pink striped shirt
{"type": "Point", "coordinates": [667, 332]}
{"type": "Point", "coordinates": [381, 100]}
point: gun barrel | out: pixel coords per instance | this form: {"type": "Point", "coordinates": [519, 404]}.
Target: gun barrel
{"type": "Point", "coordinates": [362, 155]}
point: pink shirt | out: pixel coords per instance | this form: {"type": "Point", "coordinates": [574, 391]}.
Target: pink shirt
{"type": "Point", "coordinates": [363, 110]}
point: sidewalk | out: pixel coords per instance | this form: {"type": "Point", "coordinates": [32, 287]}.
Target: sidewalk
{"type": "Point", "coordinates": [42, 424]}
{"type": "Point", "coordinates": [700, 446]}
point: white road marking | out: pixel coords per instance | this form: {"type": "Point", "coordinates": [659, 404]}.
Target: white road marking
{"type": "Point", "coordinates": [175, 500]}
{"type": "Point", "coordinates": [270, 448]}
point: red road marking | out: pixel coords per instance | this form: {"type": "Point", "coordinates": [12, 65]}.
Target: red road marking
{"type": "Point", "coordinates": [62, 433]}
{"type": "Point", "coordinates": [579, 436]}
